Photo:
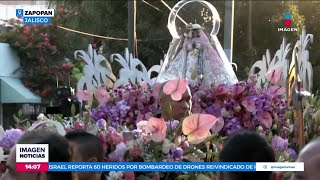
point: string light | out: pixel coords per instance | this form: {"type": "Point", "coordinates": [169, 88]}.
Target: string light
{"type": "Point", "coordinates": [154, 7]}
{"type": "Point", "coordinates": [171, 10]}
{"type": "Point", "coordinates": [105, 37]}
{"type": "Point", "coordinates": [123, 39]}
{"type": "Point", "coordinates": [94, 35]}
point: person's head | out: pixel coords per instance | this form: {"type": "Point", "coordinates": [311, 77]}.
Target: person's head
{"type": "Point", "coordinates": [310, 155]}
{"type": "Point", "coordinates": [246, 146]}
{"type": "Point", "coordinates": [58, 152]}
{"type": "Point", "coordinates": [179, 109]}
{"type": "Point", "coordinates": [86, 147]}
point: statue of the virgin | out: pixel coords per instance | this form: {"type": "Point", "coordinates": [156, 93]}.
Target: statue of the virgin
{"type": "Point", "coordinates": [195, 57]}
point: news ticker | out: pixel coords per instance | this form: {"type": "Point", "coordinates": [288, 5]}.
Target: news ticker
{"type": "Point", "coordinates": [35, 16]}
{"type": "Point", "coordinates": [35, 158]}
{"type": "Point", "coordinates": [157, 167]}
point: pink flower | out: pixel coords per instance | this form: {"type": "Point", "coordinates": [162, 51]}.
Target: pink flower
{"type": "Point", "coordinates": [66, 67]}
{"type": "Point", "coordinates": [158, 129]}
{"type": "Point", "coordinates": [276, 90]}
{"type": "Point", "coordinates": [274, 74]}
{"type": "Point", "coordinates": [129, 175]}
{"type": "Point", "coordinates": [237, 89]}
{"type": "Point", "coordinates": [84, 95]}
{"type": "Point", "coordinates": [176, 88]}
{"type": "Point", "coordinates": [144, 85]}
{"type": "Point", "coordinates": [265, 118]}
{"type": "Point", "coordinates": [156, 90]}
{"type": "Point", "coordinates": [217, 127]}
{"type": "Point", "coordinates": [140, 117]}
{"type": "Point", "coordinates": [156, 176]}
{"type": "Point", "coordinates": [222, 90]}
{"type": "Point", "coordinates": [60, 10]}
{"type": "Point", "coordinates": [249, 103]}
{"type": "Point", "coordinates": [148, 115]}
{"type": "Point", "coordinates": [102, 95]}
{"type": "Point", "coordinates": [196, 127]}
{"type": "Point", "coordinates": [42, 59]}
{"type": "Point", "coordinates": [115, 137]}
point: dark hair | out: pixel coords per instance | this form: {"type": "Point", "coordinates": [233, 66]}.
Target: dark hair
{"type": "Point", "coordinates": [58, 149]}
{"type": "Point", "coordinates": [247, 146]}
{"type": "Point", "coordinates": [89, 144]}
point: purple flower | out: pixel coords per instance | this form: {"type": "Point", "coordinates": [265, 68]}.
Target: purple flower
{"type": "Point", "coordinates": [111, 129]}
{"type": "Point", "coordinates": [177, 153]}
{"type": "Point", "coordinates": [10, 138]}
{"type": "Point", "coordinates": [292, 153]}
{"type": "Point", "coordinates": [172, 124]}
{"type": "Point", "coordinates": [118, 154]}
{"type": "Point", "coordinates": [102, 124]}
{"type": "Point", "coordinates": [279, 144]}
{"type": "Point", "coordinates": [213, 110]}
{"type": "Point", "coordinates": [233, 126]}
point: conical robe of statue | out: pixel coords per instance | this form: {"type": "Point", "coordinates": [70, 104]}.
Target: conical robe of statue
{"type": "Point", "coordinates": [198, 60]}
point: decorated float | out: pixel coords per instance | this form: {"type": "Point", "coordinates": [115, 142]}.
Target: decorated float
{"type": "Point", "coordinates": [194, 103]}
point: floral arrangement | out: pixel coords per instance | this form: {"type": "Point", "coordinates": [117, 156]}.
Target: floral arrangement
{"type": "Point", "coordinates": [157, 139]}
{"type": "Point", "coordinates": [130, 129]}
{"type": "Point", "coordinates": [127, 105]}
{"type": "Point", "coordinates": [124, 120]}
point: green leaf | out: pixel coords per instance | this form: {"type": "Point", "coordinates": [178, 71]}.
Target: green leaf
{"type": "Point", "coordinates": [73, 110]}
{"type": "Point", "coordinates": [87, 118]}
{"type": "Point", "coordinates": [28, 124]}
{"type": "Point", "coordinates": [58, 118]}
{"type": "Point", "coordinates": [270, 136]}
{"type": "Point", "coordinates": [20, 113]}
{"type": "Point", "coordinates": [17, 120]}
{"type": "Point", "coordinates": [209, 155]}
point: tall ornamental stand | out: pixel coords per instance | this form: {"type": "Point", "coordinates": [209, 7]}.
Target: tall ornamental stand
{"type": "Point", "coordinates": [297, 99]}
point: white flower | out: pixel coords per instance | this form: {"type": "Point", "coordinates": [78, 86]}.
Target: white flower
{"type": "Point", "coordinates": [142, 126]}
{"type": "Point", "coordinates": [115, 175]}
{"type": "Point", "coordinates": [42, 117]}
{"type": "Point", "coordinates": [167, 145]}
{"type": "Point", "coordinates": [2, 156]}
{"type": "Point", "coordinates": [1, 133]}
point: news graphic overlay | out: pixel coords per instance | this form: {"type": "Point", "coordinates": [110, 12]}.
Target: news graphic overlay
{"type": "Point", "coordinates": [32, 157]}
{"type": "Point", "coordinates": [35, 16]}
{"type": "Point", "coordinates": [172, 166]}
{"type": "Point", "coordinates": [287, 20]}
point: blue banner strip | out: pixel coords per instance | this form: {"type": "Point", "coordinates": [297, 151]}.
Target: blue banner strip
{"type": "Point", "coordinates": [151, 166]}
{"type": "Point", "coordinates": [36, 20]}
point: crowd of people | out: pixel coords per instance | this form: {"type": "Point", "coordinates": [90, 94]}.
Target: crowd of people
{"type": "Point", "coordinates": [81, 146]}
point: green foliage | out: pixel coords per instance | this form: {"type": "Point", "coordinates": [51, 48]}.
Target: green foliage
{"type": "Point", "coordinates": [21, 119]}
{"type": "Point", "coordinates": [41, 50]}
{"type": "Point", "coordinates": [311, 116]}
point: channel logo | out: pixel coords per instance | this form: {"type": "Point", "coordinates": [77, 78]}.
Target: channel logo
{"type": "Point", "coordinates": [287, 20]}
{"type": "Point", "coordinates": [287, 23]}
